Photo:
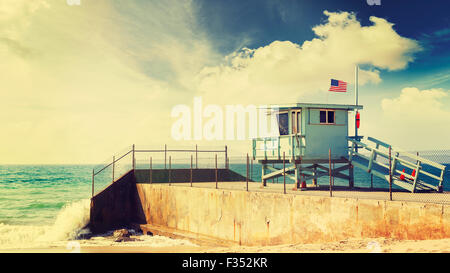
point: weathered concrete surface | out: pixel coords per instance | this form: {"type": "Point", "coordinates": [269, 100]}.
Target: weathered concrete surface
{"type": "Point", "coordinates": [119, 205]}
{"type": "Point", "coordinates": [115, 207]}
{"type": "Point", "coordinates": [261, 218]}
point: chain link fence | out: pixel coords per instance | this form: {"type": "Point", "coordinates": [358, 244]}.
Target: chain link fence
{"type": "Point", "coordinates": [146, 157]}
{"type": "Point", "coordinates": [366, 185]}
{"type": "Point", "coordinates": [441, 157]}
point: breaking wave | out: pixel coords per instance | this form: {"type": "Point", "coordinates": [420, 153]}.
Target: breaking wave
{"type": "Point", "coordinates": [70, 220]}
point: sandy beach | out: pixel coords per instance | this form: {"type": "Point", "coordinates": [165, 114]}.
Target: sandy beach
{"type": "Point", "coordinates": [369, 245]}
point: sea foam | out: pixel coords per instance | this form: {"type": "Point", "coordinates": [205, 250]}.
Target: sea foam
{"type": "Point", "coordinates": [69, 222]}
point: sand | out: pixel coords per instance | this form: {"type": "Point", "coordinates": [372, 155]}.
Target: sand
{"type": "Point", "coordinates": [374, 245]}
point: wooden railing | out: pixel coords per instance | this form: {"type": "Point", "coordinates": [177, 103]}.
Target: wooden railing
{"type": "Point", "coordinates": [396, 156]}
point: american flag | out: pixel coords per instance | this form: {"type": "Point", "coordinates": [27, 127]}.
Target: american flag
{"type": "Point", "coordinates": [338, 86]}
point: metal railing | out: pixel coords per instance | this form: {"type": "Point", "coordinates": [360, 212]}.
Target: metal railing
{"type": "Point", "coordinates": [326, 185]}
{"type": "Point", "coordinates": [292, 145]}
{"type": "Point", "coordinates": [395, 159]}
{"type": "Point", "coordinates": [367, 186]}
{"type": "Point", "coordinates": [167, 160]}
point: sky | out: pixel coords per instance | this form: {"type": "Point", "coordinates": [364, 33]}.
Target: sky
{"type": "Point", "coordinates": [83, 80]}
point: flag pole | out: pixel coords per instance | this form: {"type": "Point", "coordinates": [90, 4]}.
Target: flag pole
{"type": "Point", "coordinates": [356, 103]}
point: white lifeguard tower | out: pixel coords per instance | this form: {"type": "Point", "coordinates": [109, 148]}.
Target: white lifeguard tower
{"type": "Point", "coordinates": [308, 132]}
{"type": "Point", "coordinates": [314, 137]}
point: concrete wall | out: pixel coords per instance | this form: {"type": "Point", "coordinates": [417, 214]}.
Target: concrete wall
{"type": "Point", "coordinates": [258, 218]}
{"type": "Point", "coordinates": [115, 206]}
{"type": "Point", "coordinates": [119, 205]}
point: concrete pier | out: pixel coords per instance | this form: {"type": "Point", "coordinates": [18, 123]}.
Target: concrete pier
{"type": "Point", "coordinates": [269, 218]}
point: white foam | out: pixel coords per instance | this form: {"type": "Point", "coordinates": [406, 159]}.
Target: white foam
{"type": "Point", "coordinates": [68, 224]}
{"type": "Point", "coordinates": [157, 241]}
{"type": "Point", "coordinates": [70, 220]}
{"type": "Point", "coordinates": [13, 236]}
{"type": "Point", "coordinates": [142, 240]}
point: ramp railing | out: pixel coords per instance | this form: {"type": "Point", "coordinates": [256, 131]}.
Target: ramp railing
{"type": "Point", "coordinates": [425, 174]}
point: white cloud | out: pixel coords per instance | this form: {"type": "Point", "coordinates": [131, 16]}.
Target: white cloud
{"type": "Point", "coordinates": [79, 83]}
{"type": "Point", "coordinates": [417, 119]}
{"type": "Point", "coordinates": [283, 72]}
{"type": "Point", "coordinates": [76, 85]}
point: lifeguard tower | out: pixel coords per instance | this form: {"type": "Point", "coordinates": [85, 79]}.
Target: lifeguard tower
{"type": "Point", "coordinates": [311, 136]}
{"type": "Point", "coordinates": [314, 137]}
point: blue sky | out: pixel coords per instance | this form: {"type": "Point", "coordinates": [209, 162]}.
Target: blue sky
{"type": "Point", "coordinates": [233, 24]}
{"type": "Point", "coordinates": [73, 75]}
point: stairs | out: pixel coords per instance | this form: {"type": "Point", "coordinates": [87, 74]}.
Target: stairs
{"type": "Point", "coordinates": [375, 156]}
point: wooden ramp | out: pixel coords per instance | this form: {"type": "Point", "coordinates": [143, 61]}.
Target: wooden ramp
{"type": "Point", "coordinates": [408, 171]}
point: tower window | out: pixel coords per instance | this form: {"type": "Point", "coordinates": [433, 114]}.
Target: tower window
{"type": "Point", "coordinates": [327, 116]}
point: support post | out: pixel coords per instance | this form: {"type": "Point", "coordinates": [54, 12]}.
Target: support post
{"type": "Point", "coordinates": [314, 181]}
{"type": "Point", "coordinates": [170, 168]}
{"type": "Point", "coordinates": [247, 172]}
{"type": "Point", "coordinates": [191, 169]}
{"type": "Point", "coordinates": [297, 176]}
{"type": "Point", "coordinates": [151, 170]}
{"type": "Point", "coordinates": [284, 173]}
{"type": "Point", "coordinates": [263, 168]}
{"type": "Point", "coordinates": [356, 103]}
{"type": "Point", "coordinates": [165, 156]}
{"type": "Point", "coordinates": [273, 178]}
{"type": "Point", "coordinates": [216, 173]}
{"type": "Point", "coordinates": [416, 176]}
{"type": "Point", "coordinates": [196, 156]}
{"type": "Point", "coordinates": [279, 148]}
{"type": "Point", "coordinates": [333, 175]}
{"type": "Point", "coordinates": [351, 177]}
{"type": "Point", "coordinates": [390, 174]}
{"type": "Point", "coordinates": [93, 175]}
{"type": "Point", "coordinates": [226, 156]}
{"type": "Point", "coordinates": [251, 169]}
{"type": "Point", "coordinates": [329, 172]}
{"type": "Point", "coordinates": [113, 162]}
{"type": "Point", "coordinates": [134, 158]}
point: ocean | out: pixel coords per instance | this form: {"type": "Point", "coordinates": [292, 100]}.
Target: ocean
{"type": "Point", "coordinates": [41, 205]}
{"type": "Point", "coordinates": [44, 206]}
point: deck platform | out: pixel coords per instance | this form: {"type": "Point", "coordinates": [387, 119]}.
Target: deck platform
{"type": "Point", "coordinates": [338, 191]}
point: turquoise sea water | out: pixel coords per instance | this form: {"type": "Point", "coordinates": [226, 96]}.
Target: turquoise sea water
{"type": "Point", "coordinates": [35, 194]}
{"type": "Point", "coordinates": [42, 203]}
{"type": "Point", "coordinates": [53, 200]}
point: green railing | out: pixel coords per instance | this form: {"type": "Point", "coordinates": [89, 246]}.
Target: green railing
{"type": "Point", "coordinates": [292, 145]}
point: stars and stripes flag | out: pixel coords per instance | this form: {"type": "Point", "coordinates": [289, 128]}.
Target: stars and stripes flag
{"type": "Point", "coordinates": [338, 86]}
